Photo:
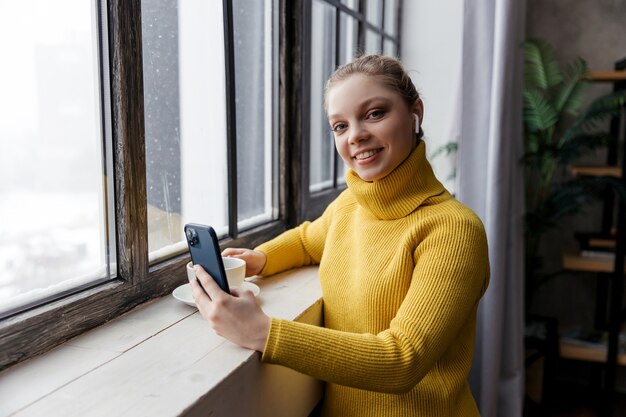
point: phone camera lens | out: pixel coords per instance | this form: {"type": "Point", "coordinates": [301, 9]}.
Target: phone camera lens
{"type": "Point", "coordinates": [192, 236]}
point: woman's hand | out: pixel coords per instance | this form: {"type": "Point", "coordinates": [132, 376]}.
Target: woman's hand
{"type": "Point", "coordinates": [237, 316]}
{"type": "Point", "coordinates": [255, 260]}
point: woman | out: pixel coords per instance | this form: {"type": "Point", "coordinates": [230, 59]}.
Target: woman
{"type": "Point", "coordinates": [402, 266]}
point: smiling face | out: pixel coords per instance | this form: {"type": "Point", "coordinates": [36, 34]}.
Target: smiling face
{"type": "Point", "coordinates": [374, 128]}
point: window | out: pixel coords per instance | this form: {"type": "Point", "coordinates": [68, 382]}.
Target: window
{"type": "Point", "coordinates": [113, 144]}
{"type": "Point", "coordinates": [56, 214]}
{"type": "Point", "coordinates": [256, 110]}
{"type": "Point", "coordinates": [187, 154]}
{"type": "Point", "coordinates": [339, 32]}
{"type": "Point", "coordinates": [323, 43]}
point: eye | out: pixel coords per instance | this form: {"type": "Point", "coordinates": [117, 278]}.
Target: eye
{"type": "Point", "coordinates": [339, 127]}
{"type": "Point", "coordinates": [376, 114]}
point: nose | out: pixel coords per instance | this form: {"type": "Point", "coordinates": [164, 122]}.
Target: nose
{"type": "Point", "coordinates": [358, 133]}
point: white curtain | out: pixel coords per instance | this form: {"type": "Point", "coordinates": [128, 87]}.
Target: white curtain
{"type": "Point", "coordinates": [490, 181]}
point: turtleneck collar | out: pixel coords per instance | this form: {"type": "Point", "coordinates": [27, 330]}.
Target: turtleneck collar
{"type": "Point", "coordinates": [400, 192]}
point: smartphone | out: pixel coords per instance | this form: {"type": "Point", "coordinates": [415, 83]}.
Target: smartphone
{"type": "Point", "coordinates": [205, 251]}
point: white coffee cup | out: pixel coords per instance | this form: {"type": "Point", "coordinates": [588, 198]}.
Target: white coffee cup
{"type": "Point", "coordinates": [235, 269]}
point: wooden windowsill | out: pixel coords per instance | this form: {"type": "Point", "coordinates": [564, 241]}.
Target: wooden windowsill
{"type": "Point", "coordinates": [162, 359]}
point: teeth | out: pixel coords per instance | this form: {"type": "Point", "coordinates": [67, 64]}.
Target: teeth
{"type": "Point", "coordinates": [366, 154]}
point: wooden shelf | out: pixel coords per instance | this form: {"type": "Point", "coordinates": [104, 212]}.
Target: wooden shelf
{"type": "Point", "coordinates": [576, 262]}
{"type": "Point", "coordinates": [579, 352]}
{"type": "Point", "coordinates": [596, 170]}
{"type": "Point", "coordinates": [605, 76]}
{"type": "Point", "coordinates": [595, 256]}
{"type": "Point", "coordinates": [602, 243]}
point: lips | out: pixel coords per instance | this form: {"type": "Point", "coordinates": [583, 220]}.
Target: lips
{"type": "Point", "coordinates": [367, 154]}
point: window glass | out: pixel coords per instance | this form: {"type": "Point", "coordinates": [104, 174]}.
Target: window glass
{"type": "Point", "coordinates": [372, 42]}
{"type": "Point", "coordinates": [374, 12]}
{"type": "Point", "coordinates": [390, 48]}
{"type": "Point", "coordinates": [55, 217]}
{"type": "Point", "coordinates": [348, 38]}
{"type": "Point", "coordinates": [353, 4]}
{"type": "Point", "coordinates": [341, 170]}
{"type": "Point", "coordinates": [348, 50]}
{"type": "Point", "coordinates": [185, 118]}
{"type": "Point", "coordinates": [256, 54]}
{"type": "Point", "coordinates": [391, 17]}
{"type": "Point", "coordinates": [322, 148]}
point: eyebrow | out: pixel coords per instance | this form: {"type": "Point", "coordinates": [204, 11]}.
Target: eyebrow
{"type": "Point", "coordinates": [366, 103]}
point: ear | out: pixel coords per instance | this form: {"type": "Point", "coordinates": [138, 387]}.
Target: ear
{"type": "Point", "coordinates": [418, 111]}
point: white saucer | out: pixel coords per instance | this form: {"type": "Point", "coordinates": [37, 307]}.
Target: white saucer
{"type": "Point", "coordinates": [183, 293]}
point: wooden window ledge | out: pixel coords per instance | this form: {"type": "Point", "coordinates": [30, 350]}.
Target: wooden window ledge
{"type": "Point", "coordinates": [162, 359]}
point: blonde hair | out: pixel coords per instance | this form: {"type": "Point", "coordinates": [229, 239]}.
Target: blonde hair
{"type": "Point", "coordinates": [389, 70]}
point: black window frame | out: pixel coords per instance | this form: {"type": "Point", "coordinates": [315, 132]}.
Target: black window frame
{"type": "Point", "coordinates": [37, 330]}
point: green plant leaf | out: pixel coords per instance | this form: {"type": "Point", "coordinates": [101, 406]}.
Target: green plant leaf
{"type": "Point", "coordinates": [447, 148]}
{"type": "Point", "coordinates": [539, 157]}
{"type": "Point", "coordinates": [580, 144]}
{"type": "Point", "coordinates": [573, 196]}
{"type": "Point", "coordinates": [532, 143]}
{"type": "Point", "coordinates": [569, 197]}
{"type": "Point", "coordinates": [541, 69]}
{"type": "Point", "coordinates": [570, 95]}
{"type": "Point", "coordinates": [601, 109]}
{"type": "Point", "coordinates": [539, 113]}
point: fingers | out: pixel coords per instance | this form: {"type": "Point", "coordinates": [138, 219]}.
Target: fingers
{"type": "Point", "coordinates": [233, 251]}
{"type": "Point", "coordinates": [208, 283]}
{"type": "Point", "coordinates": [238, 318]}
{"type": "Point", "coordinates": [199, 295]}
{"type": "Point", "coordinates": [255, 260]}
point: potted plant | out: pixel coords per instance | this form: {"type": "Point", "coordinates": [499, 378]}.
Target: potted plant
{"type": "Point", "coordinates": [557, 131]}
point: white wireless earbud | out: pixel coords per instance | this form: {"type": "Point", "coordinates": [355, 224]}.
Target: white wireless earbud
{"type": "Point", "coordinates": [417, 122]}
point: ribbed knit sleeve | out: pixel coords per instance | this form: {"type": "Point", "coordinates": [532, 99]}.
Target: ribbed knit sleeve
{"type": "Point", "coordinates": [303, 245]}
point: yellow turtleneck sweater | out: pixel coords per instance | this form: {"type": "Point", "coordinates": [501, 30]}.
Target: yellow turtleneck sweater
{"type": "Point", "coordinates": [402, 268]}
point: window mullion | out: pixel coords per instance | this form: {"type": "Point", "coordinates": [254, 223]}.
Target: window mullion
{"type": "Point", "coordinates": [305, 109]}
{"type": "Point", "coordinates": [361, 27]}
{"type": "Point", "coordinates": [291, 84]}
{"type": "Point", "coordinates": [398, 34]}
{"type": "Point", "coordinates": [127, 108]}
{"type": "Point", "coordinates": [383, 28]}
{"type": "Point", "coordinates": [231, 119]}
{"type": "Point", "coordinates": [335, 166]}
